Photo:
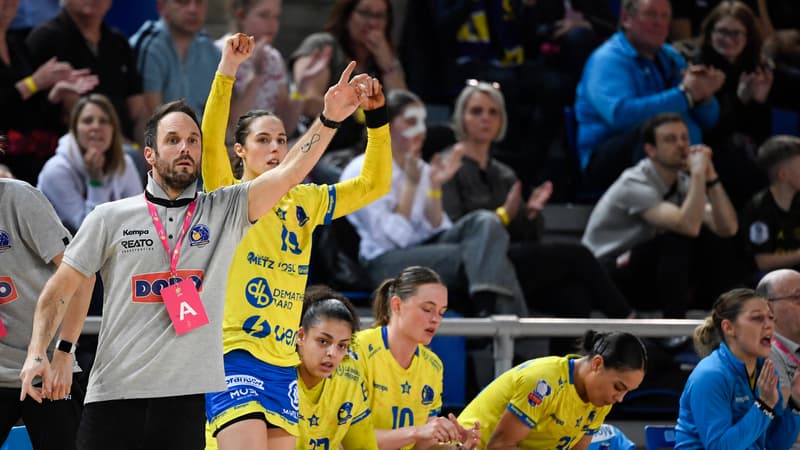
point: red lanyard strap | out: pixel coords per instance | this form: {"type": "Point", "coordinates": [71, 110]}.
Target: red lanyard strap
{"type": "Point", "coordinates": [162, 235]}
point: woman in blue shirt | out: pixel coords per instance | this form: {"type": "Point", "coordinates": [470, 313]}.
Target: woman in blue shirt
{"type": "Point", "coordinates": [732, 398]}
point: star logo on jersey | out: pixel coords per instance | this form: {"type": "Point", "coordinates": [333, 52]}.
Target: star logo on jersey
{"type": "Point", "coordinates": [281, 213]}
{"type": "Point", "coordinates": [5, 241]}
{"type": "Point", "coordinates": [302, 217]}
{"type": "Point", "coordinates": [345, 413]}
{"type": "Point", "coordinates": [427, 395]}
{"type": "Point", "coordinates": [405, 387]}
{"type": "Point", "coordinates": [313, 421]}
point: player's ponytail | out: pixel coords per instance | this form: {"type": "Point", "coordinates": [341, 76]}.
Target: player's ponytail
{"type": "Point", "coordinates": [402, 286]}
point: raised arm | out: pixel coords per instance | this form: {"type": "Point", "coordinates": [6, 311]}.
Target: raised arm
{"type": "Point", "coordinates": [217, 171]}
{"type": "Point", "coordinates": [341, 100]}
{"type": "Point", "coordinates": [375, 179]}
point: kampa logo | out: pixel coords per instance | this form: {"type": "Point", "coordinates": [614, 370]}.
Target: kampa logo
{"type": "Point", "coordinates": [8, 292]}
{"type": "Point", "coordinates": [146, 288]}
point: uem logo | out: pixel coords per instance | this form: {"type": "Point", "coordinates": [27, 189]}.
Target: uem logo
{"type": "Point", "coordinates": [8, 292]}
{"type": "Point", "coordinates": [146, 288]}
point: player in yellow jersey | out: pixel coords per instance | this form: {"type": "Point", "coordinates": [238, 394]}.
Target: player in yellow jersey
{"type": "Point", "coordinates": [558, 402]}
{"type": "Point", "coordinates": [267, 278]}
{"type": "Point", "coordinates": [404, 377]}
{"type": "Point", "coordinates": [334, 407]}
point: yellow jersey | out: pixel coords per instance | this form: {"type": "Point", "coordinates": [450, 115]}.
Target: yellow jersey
{"type": "Point", "coordinates": [541, 393]}
{"type": "Point", "coordinates": [268, 275]}
{"type": "Point", "coordinates": [336, 411]}
{"type": "Point", "coordinates": [399, 397]}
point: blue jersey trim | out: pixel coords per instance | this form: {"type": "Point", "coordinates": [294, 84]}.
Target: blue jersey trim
{"type": "Point", "coordinates": [521, 416]}
{"type": "Point", "coordinates": [331, 204]}
{"type": "Point", "coordinates": [360, 417]}
{"type": "Point", "coordinates": [571, 371]}
{"type": "Point", "coordinates": [385, 336]}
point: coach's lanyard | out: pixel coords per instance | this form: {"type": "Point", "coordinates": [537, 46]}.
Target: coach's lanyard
{"type": "Point", "coordinates": [786, 351]}
{"type": "Point", "coordinates": [176, 252]}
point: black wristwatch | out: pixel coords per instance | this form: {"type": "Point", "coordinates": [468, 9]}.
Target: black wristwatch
{"type": "Point", "coordinates": [66, 346]}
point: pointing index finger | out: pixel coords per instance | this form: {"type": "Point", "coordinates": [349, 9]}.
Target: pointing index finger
{"type": "Point", "coordinates": [347, 72]}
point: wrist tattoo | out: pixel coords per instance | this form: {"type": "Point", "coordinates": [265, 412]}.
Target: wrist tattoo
{"type": "Point", "coordinates": [38, 359]}
{"type": "Point", "coordinates": [305, 148]}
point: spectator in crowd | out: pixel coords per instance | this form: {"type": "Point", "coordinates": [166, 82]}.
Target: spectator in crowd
{"type": "Point", "coordinates": [273, 299]}
{"type": "Point", "coordinates": [534, 50]}
{"type": "Point", "coordinates": [772, 217]}
{"type": "Point", "coordinates": [732, 398]}
{"type": "Point", "coordinates": [262, 82]}
{"type": "Point", "coordinates": [516, 410]}
{"type": "Point", "coordinates": [396, 361]}
{"type": "Point", "coordinates": [334, 409]}
{"type": "Point", "coordinates": [89, 167]}
{"type": "Point", "coordinates": [32, 13]}
{"type": "Point", "coordinates": [138, 395]}
{"type": "Point", "coordinates": [782, 288]}
{"type": "Point", "coordinates": [632, 76]}
{"type": "Point", "coordinates": [24, 92]}
{"type": "Point", "coordinates": [731, 41]}
{"type": "Point", "coordinates": [176, 59]}
{"type": "Point", "coordinates": [408, 226]}
{"type": "Point", "coordinates": [359, 30]}
{"type": "Point", "coordinates": [566, 271]}
{"type": "Point", "coordinates": [32, 242]}
{"type": "Point", "coordinates": [79, 36]}
{"type": "Point", "coordinates": [643, 227]}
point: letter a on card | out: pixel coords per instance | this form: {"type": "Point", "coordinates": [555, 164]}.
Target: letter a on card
{"type": "Point", "coordinates": [184, 306]}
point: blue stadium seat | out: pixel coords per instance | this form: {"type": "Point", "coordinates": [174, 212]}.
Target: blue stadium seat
{"type": "Point", "coordinates": [784, 121]}
{"type": "Point", "coordinates": [659, 437]}
{"type": "Point", "coordinates": [452, 350]}
{"type": "Point", "coordinates": [17, 440]}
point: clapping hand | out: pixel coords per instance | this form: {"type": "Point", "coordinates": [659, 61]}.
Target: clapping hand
{"type": "Point", "coordinates": [755, 85]}
{"type": "Point", "coordinates": [768, 384]}
{"type": "Point", "coordinates": [444, 167]}
{"type": "Point", "coordinates": [538, 199]}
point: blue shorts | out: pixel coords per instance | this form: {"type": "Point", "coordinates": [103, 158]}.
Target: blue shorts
{"type": "Point", "coordinates": [254, 387]}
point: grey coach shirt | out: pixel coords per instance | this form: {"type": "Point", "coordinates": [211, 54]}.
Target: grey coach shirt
{"type": "Point", "coordinates": [139, 354]}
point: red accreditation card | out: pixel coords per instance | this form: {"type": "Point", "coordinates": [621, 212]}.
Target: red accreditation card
{"type": "Point", "coordinates": [184, 306]}
{"type": "Point", "coordinates": [3, 331]}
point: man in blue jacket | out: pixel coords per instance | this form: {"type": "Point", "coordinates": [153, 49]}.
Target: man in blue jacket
{"type": "Point", "coordinates": [631, 77]}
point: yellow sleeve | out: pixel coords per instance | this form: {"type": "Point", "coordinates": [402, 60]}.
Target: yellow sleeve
{"type": "Point", "coordinates": [361, 435]}
{"type": "Point", "coordinates": [216, 165]}
{"type": "Point", "coordinates": [375, 178]}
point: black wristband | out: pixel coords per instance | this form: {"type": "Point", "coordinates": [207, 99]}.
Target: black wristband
{"type": "Point", "coordinates": [711, 183]}
{"type": "Point", "coordinates": [769, 412]}
{"type": "Point", "coordinates": [376, 118]}
{"type": "Point", "coordinates": [793, 406]}
{"type": "Point", "coordinates": [328, 122]}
